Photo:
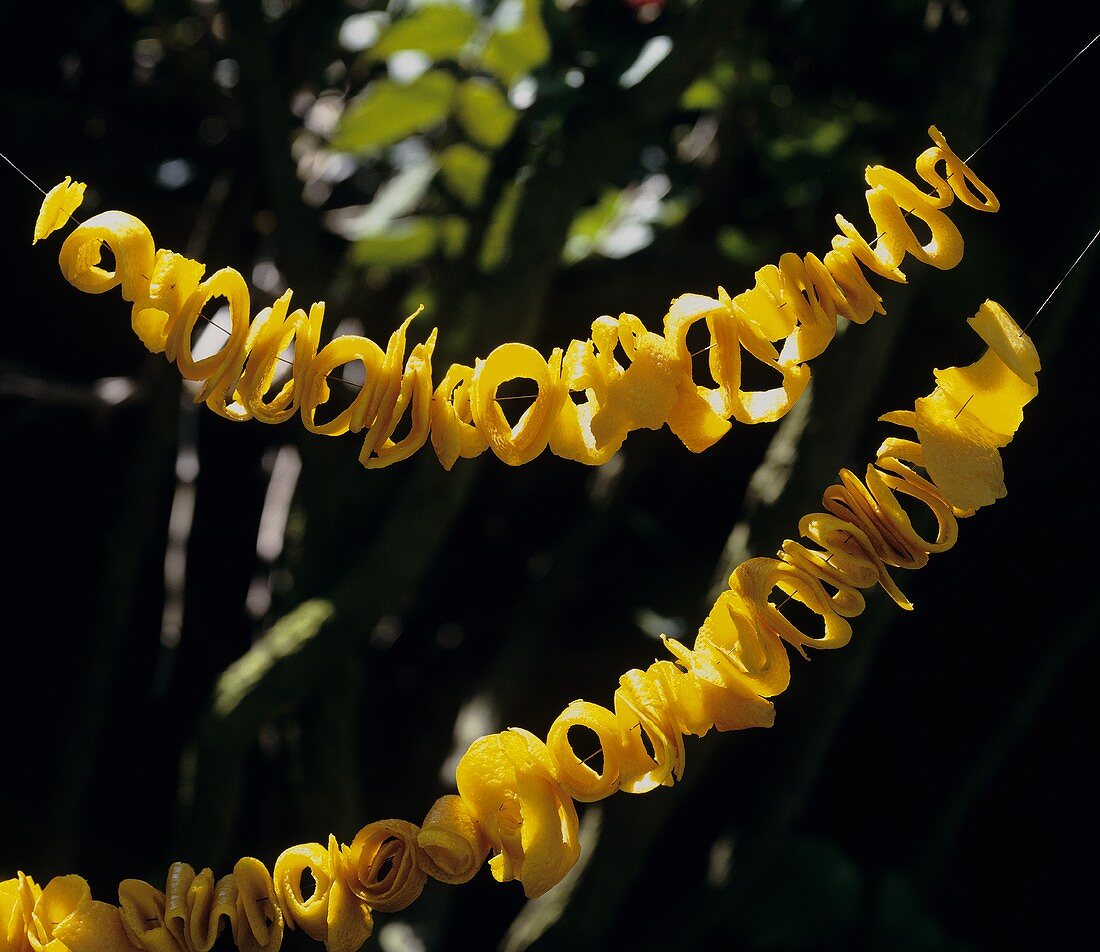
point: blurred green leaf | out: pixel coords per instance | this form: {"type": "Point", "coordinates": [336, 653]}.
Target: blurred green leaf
{"type": "Point", "coordinates": [702, 94]}
{"type": "Point", "coordinates": [623, 222]}
{"type": "Point", "coordinates": [829, 136]}
{"type": "Point", "coordinates": [483, 111]}
{"type": "Point", "coordinates": [831, 891]}
{"type": "Point", "coordinates": [464, 170]}
{"type": "Point", "coordinates": [822, 138]}
{"type": "Point", "coordinates": [439, 30]}
{"type": "Point", "coordinates": [761, 71]}
{"type": "Point", "coordinates": [405, 242]}
{"type": "Point", "coordinates": [708, 92]}
{"type": "Point", "coordinates": [494, 250]}
{"type": "Point", "coordinates": [423, 295]}
{"type": "Point", "coordinates": [589, 224]}
{"type": "Point", "coordinates": [905, 923]}
{"type": "Point", "coordinates": [389, 111]}
{"type": "Point", "coordinates": [396, 197]}
{"type": "Point", "coordinates": [513, 51]}
{"type": "Point", "coordinates": [738, 246]}
{"type": "Point", "coordinates": [453, 230]}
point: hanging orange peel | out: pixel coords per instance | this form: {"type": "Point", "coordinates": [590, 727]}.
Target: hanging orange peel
{"type": "Point", "coordinates": [332, 913]}
{"type": "Point", "coordinates": [382, 865]}
{"type": "Point", "coordinates": [632, 378]}
{"type": "Point", "coordinates": [194, 909]}
{"type": "Point", "coordinates": [62, 916]}
{"type": "Point", "coordinates": [975, 410]}
{"type": "Point", "coordinates": [58, 207]}
{"type": "Point", "coordinates": [452, 843]}
{"type": "Point", "coordinates": [510, 784]}
{"type": "Point", "coordinates": [516, 793]}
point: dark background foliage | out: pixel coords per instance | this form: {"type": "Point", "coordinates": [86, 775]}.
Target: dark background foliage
{"type": "Point", "coordinates": [925, 788]}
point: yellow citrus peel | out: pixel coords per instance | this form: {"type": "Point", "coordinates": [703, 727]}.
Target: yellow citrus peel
{"type": "Point", "coordinates": [58, 207]}
{"type": "Point", "coordinates": [515, 801]}
{"type": "Point", "coordinates": [631, 377]}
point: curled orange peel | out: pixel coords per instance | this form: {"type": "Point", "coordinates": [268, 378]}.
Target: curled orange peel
{"type": "Point", "coordinates": [631, 377]}
{"type": "Point", "coordinates": [515, 800]}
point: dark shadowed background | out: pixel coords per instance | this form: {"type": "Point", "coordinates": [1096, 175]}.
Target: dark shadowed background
{"type": "Point", "coordinates": [928, 787]}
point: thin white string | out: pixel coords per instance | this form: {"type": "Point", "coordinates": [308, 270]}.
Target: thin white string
{"type": "Point", "coordinates": [1054, 291]}
{"type": "Point", "coordinates": [966, 403]}
{"type": "Point", "coordinates": [21, 172]}
{"type": "Point", "coordinates": [1042, 89]}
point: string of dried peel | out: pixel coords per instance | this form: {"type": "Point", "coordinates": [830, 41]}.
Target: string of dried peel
{"type": "Point", "coordinates": [632, 378]}
{"type": "Point", "coordinates": [516, 792]}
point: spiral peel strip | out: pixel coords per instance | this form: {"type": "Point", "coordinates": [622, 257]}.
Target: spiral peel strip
{"type": "Point", "coordinates": [515, 801]}
{"type": "Point", "coordinates": [632, 378]}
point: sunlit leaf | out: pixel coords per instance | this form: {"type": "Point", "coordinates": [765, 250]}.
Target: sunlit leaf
{"type": "Point", "coordinates": [703, 94]}
{"type": "Point", "coordinates": [361, 30]}
{"type": "Point", "coordinates": [710, 90]}
{"type": "Point", "coordinates": [513, 51]}
{"type": "Point", "coordinates": [589, 224]}
{"type": "Point", "coordinates": [464, 170]}
{"type": "Point", "coordinates": [439, 30]}
{"type": "Point", "coordinates": [405, 242]}
{"type": "Point", "coordinates": [389, 111]}
{"type": "Point", "coordinates": [483, 111]}
{"type": "Point", "coordinates": [622, 222]}
{"type": "Point", "coordinates": [395, 198]}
